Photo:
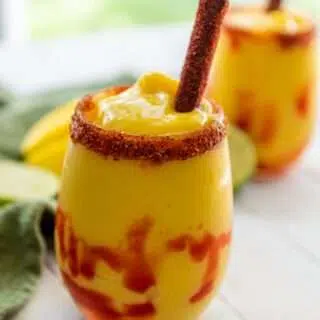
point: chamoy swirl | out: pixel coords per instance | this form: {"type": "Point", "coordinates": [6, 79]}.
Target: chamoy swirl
{"type": "Point", "coordinates": [147, 108]}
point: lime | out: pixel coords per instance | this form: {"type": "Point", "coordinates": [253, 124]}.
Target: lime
{"type": "Point", "coordinates": [23, 182]}
{"type": "Point", "coordinates": [243, 157]}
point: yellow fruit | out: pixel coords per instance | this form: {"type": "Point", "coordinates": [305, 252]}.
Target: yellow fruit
{"type": "Point", "coordinates": [50, 156]}
{"type": "Point", "coordinates": [45, 143]}
{"type": "Point", "coordinates": [48, 127]}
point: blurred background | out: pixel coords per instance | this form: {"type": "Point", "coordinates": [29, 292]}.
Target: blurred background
{"type": "Point", "coordinates": [45, 19]}
{"type": "Point", "coordinates": [38, 35]}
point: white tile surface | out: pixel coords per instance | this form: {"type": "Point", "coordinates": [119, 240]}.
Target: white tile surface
{"type": "Point", "coordinates": [268, 277]}
{"type": "Point", "coordinates": [50, 302]}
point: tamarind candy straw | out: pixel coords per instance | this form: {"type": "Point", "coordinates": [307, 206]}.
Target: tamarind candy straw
{"type": "Point", "coordinates": [274, 5]}
{"type": "Point", "coordinates": [203, 43]}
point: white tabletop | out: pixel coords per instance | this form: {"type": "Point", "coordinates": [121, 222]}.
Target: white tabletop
{"type": "Point", "coordinates": [274, 272]}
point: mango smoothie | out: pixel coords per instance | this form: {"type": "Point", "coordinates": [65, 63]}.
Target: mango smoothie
{"type": "Point", "coordinates": [264, 76]}
{"type": "Point", "coordinates": [145, 211]}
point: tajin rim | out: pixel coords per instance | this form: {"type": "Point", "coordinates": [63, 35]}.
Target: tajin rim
{"type": "Point", "coordinates": [156, 149]}
{"type": "Point", "coordinates": [300, 38]}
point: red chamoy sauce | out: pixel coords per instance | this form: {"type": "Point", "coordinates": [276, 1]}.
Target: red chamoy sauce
{"type": "Point", "coordinates": [245, 110]}
{"type": "Point", "coordinates": [268, 129]}
{"type": "Point", "coordinates": [303, 101]}
{"type": "Point", "coordinates": [206, 248]}
{"type": "Point", "coordinates": [133, 263]}
{"type": "Point", "coordinates": [92, 300]}
{"type": "Point", "coordinates": [283, 164]}
{"type": "Point", "coordinates": [102, 306]}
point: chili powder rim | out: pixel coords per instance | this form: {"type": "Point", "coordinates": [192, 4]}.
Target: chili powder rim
{"type": "Point", "coordinates": [304, 36]}
{"type": "Point", "coordinates": [156, 149]}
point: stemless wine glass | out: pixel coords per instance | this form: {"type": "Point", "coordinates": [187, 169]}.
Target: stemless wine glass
{"type": "Point", "coordinates": [143, 226]}
{"type": "Point", "coordinates": [264, 76]}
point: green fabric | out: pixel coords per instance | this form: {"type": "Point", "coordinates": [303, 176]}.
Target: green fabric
{"type": "Point", "coordinates": [5, 97]}
{"type": "Point", "coordinates": [22, 249]}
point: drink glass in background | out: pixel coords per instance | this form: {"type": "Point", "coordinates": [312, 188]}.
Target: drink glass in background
{"type": "Point", "coordinates": [144, 222]}
{"type": "Point", "coordinates": [264, 76]}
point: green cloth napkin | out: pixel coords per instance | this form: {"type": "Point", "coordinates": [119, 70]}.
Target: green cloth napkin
{"type": "Point", "coordinates": [24, 228]}
{"type": "Point", "coordinates": [5, 96]}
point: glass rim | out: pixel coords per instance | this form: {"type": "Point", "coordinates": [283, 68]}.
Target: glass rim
{"type": "Point", "coordinates": [156, 149]}
{"type": "Point", "coordinates": [303, 36]}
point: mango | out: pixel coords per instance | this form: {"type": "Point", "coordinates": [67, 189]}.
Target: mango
{"type": "Point", "coordinates": [46, 142]}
